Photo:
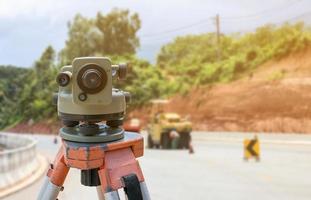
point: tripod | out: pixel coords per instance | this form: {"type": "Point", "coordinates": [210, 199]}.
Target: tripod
{"type": "Point", "coordinates": [107, 165]}
{"type": "Point", "coordinates": [105, 154]}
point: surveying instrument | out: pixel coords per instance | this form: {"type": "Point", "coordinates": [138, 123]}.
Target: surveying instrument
{"type": "Point", "coordinates": [104, 152]}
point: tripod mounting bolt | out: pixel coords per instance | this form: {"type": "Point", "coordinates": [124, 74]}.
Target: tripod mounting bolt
{"type": "Point", "coordinates": [89, 129]}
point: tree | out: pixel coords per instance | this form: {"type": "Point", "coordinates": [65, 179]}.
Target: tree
{"type": "Point", "coordinates": [12, 80]}
{"type": "Point", "coordinates": [111, 34]}
{"type": "Point", "coordinates": [36, 97]}
{"type": "Point", "coordinates": [118, 30]}
{"type": "Point", "coordinates": [45, 64]}
{"type": "Point", "coordinates": [82, 38]}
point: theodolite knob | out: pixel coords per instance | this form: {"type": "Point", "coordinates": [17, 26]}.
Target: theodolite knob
{"type": "Point", "coordinates": [122, 71]}
{"type": "Point", "coordinates": [128, 97]}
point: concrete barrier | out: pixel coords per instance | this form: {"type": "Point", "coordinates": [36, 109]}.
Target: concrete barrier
{"type": "Point", "coordinates": [18, 159]}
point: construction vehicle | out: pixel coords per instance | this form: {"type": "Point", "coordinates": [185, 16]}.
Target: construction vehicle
{"type": "Point", "coordinates": [167, 130]}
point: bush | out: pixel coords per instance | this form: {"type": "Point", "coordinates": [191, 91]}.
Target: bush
{"type": "Point", "coordinates": [195, 56]}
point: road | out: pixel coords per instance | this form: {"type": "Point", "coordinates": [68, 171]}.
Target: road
{"type": "Point", "coordinates": [215, 171]}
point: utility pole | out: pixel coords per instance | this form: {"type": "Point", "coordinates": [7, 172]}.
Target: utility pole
{"type": "Point", "coordinates": [217, 22]}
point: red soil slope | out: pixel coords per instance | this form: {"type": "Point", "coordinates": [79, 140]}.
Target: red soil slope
{"type": "Point", "coordinates": [277, 98]}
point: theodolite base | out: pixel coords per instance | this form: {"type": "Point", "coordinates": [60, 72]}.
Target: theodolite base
{"type": "Point", "coordinates": [104, 134]}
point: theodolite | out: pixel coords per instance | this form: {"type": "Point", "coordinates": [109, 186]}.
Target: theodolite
{"type": "Point", "coordinates": [93, 139]}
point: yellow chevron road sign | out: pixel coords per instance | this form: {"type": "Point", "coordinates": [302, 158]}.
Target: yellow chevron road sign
{"type": "Point", "coordinates": [251, 149]}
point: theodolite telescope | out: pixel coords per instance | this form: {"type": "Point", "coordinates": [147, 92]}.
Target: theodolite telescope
{"type": "Point", "coordinates": [86, 97]}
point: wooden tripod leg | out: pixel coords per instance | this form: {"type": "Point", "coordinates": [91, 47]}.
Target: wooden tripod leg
{"type": "Point", "coordinates": [118, 164]}
{"type": "Point", "coordinates": [55, 178]}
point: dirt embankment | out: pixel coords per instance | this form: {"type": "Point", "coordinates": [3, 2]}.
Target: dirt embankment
{"type": "Point", "coordinates": [251, 106]}
{"type": "Point", "coordinates": [276, 98]}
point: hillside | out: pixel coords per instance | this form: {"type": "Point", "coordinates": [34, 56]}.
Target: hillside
{"type": "Point", "coordinates": [257, 81]}
{"type": "Point", "coordinates": [275, 98]}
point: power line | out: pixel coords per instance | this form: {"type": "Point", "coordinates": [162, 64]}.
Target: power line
{"type": "Point", "coordinates": [165, 38]}
{"type": "Point", "coordinates": [179, 34]}
{"type": "Point", "coordinates": [176, 29]}
{"type": "Point", "coordinates": [208, 20]}
{"type": "Point", "coordinates": [277, 23]}
{"type": "Point", "coordinates": [263, 12]}
{"type": "Point", "coordinates": [299, 16]}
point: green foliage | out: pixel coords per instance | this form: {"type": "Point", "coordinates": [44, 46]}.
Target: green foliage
{"type": "Point", "coordinates": [111, 34]}
{"type": "Point", "coordinates": [27, 93]}
{"type": "Point", "coordinates": [83, 37]}
{"type": "Point", "coordinates": [118, 32]}
{"type": "Point", "coordinates": [36, 98]}
{"type": "Point", "coordinates": [11, 85]}
{"type": "Point", "coordinates": [276, 75]}
{"type": "Point", "coordinates": [194, 57]}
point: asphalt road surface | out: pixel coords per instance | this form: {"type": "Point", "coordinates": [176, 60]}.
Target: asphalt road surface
{"type": "Point", "coordinates": [215, 171]}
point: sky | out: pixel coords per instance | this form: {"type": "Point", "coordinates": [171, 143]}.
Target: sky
{"type": "Point", "coordinates": [27, 27]}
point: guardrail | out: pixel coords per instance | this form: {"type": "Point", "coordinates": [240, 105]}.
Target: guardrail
{"type": "Point", "coordinates": [18, 159]}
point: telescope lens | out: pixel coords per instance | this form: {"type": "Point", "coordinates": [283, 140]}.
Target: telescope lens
{"type": "Point", "coordinates": [92, 79]}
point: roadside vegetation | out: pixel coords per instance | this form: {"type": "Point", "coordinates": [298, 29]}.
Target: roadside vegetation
{"type": "Point", "coordinates": [187, 62]}
{"type": "Point", "coordinates": [196, 60]}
